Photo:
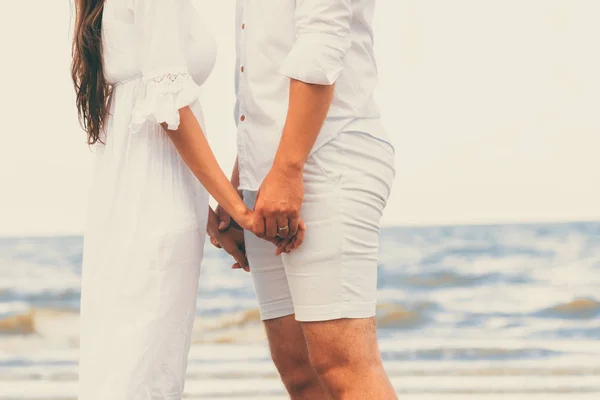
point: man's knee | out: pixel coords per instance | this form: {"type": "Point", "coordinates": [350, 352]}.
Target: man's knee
{"type": "Point", "coordinates": [330, 364]}
{"type": "Point", "coordinates": [340, 349]}
{"type": "Point", "coordinates": [297, 377]}
{"type": "Point", "coordinates": [290, 355]}
{"type": "Point", "coordinates": [297, 374]}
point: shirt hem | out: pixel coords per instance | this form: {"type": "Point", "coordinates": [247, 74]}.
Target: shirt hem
{"type": "Point", "coordinates": [369, 126]}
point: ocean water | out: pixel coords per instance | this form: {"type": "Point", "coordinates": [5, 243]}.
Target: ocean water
{"type": "Point", "coordinates": [481, 312]}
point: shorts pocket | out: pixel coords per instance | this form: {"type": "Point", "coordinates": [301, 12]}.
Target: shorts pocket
{"type": "Point", "coordinates": [325, 163]}
{"type": "Point", "coordinates": [314, 169]}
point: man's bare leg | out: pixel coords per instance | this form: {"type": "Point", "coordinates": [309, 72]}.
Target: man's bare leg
{"type": "Point", "coordinates": [345, 355]}
{"type": "Point", "coordinates": [290, 355]}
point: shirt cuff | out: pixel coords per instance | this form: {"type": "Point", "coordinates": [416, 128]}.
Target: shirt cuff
{"type": "Point", "coordinates": [316, 58]}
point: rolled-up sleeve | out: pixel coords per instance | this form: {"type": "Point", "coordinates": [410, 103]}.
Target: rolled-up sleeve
{"type": "Point", "coordinates": [322, 41]}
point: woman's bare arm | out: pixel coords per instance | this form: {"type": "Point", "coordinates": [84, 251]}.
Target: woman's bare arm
{"type": "Point", "coordinates": [194, 149]}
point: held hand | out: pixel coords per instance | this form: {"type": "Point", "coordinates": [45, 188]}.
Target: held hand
{"type": "Point", "coordinates": [232, 241]}
{"type": "Point", "coordinates": [291, 243]}
{"type": "Point", "coordinates": [278, 204]}
{"type": "Point", "coordinates": [224, 218]}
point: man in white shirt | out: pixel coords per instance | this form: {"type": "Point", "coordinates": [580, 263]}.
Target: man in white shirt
{"type": "Point", "coordinates": [310, 145]}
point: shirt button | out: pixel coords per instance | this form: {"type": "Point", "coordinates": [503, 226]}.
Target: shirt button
{"type": "Point", "coordinates": [243, 26]}
{"type": "Point", "coordinates": [242, 69]}
{"type": "Point", "coordinates": [243, 118]}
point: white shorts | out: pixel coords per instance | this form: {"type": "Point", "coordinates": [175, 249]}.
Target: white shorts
{"type": "Point", "coordinates": [333, 275]}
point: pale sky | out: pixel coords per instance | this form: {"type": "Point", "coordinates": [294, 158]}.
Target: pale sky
{"type": "Point", "coordinates": [493, 105]}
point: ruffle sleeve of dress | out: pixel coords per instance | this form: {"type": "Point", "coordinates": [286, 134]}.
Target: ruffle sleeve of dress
{"type": "Point", "coordinates": [167, 86]}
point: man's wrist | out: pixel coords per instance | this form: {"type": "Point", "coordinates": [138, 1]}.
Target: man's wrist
{"type": "Point", "coordinates": [290, 167]}
{"type": "Point", "coordinates": [235, 181]}
{"type": "Point", "coordinates": [235, 174]}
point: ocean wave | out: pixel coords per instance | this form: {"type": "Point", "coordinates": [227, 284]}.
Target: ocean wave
{"type": "Point", "coordinates": [428, 281]}
{"type": "Point", "coordinates": [239, 327]}
{"type": "Point", "coordinates": [581, 308]}
{"type": "Point", "coordinates": [396, 316]}
{"type": "Point", "coordinates": [447, 279]}
{"type": "Point", "coordinates": [44, 323]}
{"type": "Point", "coordinates": [246, 326]}
{"type": "Point", "coordinates": [234, 327]}
{"type": "Point", "coordinates": [28, 278]}
{"type": "Point", "coordinates": [572, 333]}
{"type": "Point", "coordinates": [493, 250]}
{"type": "Point", "coordinates": [18, 324]}
{"type": "Point", "coordinates": [469, 354]}
{"type": "Point", "coordinates": [46, 298]}
{"type": "Point", "coordinates": [447, 282]}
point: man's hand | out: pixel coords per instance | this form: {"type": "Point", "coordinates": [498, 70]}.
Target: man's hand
{"type": "Point", "coordinates": [281, 194]}
{"type": "Point", "coordinates": [278, 204]}
{"type": "Point", "coordinates": [231, 240]}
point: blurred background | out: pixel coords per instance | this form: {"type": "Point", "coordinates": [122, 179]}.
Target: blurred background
{"type": "Point", "coordinates": [490, 258]}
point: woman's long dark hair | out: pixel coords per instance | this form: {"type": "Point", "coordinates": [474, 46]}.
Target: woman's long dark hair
{"type": "Point", "coordinates": [91, 88]}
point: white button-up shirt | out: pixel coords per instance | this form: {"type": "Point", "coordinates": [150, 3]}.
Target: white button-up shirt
{"type": "Point", "coordinates": [315, 41]}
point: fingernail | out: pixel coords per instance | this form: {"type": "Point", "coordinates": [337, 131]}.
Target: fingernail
{"type": "Point", "coordinates": [221, 225]}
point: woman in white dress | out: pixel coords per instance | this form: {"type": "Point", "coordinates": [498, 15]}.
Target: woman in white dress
{"type": "Point", "coordinates": [137, 68]}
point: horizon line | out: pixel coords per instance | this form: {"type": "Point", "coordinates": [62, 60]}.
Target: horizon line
{"type": "Point", "coordinates": [384, 226]}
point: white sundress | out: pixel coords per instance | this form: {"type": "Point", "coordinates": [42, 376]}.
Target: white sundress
{"type": "Point", "coordinates": [146, 227]}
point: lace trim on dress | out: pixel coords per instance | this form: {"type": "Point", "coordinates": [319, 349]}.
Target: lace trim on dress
{"type": "Point", "coordinates": [163, 96]}
{"type": "Point", "coordinates": [169, 79]}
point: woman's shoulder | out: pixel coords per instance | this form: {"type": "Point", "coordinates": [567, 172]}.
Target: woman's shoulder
{"type": "Point", "coordinates": [121, 10]}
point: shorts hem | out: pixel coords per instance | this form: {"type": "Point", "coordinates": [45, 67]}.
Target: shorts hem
{"type": "Point", "coordinates": [336, 311]}
{"type": "Point", "coordinates": [277, 310]}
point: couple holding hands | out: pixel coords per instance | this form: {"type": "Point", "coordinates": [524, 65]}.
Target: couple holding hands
{"type": "Point", "coordinates": [311, 180]}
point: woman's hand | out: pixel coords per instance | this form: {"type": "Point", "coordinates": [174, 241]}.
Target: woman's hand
{"type": "Point", "coordinates": [290, 243]}
{"type": "Point", "coordinates": [244, 217]}
{"type": "Point", "coordinates": [230, 240]}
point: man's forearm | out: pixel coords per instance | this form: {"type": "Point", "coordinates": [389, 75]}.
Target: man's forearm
{"type": "Point", "coordinates": [308, 108]}
{"type": "Point", "coordinates": [212, 225]}
{"type": "Point", "coordinates": [235, 175]}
